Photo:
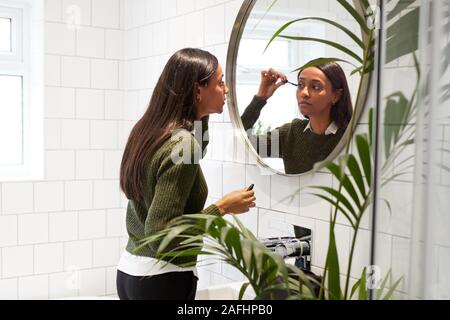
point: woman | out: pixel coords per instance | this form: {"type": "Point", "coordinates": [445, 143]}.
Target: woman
{"type": "Point", "coordinates": [159, 186]}
{"type": "Point", "coordinates": [323, 98]}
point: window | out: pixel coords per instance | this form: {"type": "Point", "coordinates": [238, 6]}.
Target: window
{"type": "Point", "coordinates": [21, 90]}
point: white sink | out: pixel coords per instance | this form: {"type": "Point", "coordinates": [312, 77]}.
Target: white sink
{"type": "Point", "coordinates": [225, 292]}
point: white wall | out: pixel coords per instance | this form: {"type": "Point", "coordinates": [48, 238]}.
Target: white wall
{"type": "Point", "coordinates": [62, 236]}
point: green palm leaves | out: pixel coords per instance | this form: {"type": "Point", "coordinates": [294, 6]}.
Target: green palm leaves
{"type": "Point", "coordinates": [267, 273]}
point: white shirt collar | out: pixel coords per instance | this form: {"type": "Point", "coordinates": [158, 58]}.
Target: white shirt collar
{"type": "Point", "coordinates": [332, 128]}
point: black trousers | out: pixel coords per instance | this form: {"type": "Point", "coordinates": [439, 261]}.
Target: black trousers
{"type": "Point", "coordinates": [165, 286]}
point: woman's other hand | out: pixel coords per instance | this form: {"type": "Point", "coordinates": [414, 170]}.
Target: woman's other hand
{"type": "Point", "coordinates": [238, 201]}
{"type": "Point", "coordinates": [271, 80]}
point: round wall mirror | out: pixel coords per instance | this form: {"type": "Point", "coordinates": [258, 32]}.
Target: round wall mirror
{"type": "Point", "coordinates": [307, 118]}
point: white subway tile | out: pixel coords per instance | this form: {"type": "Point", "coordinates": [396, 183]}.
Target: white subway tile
{"type": "Point", "coordinates": [185, 6]}
{"type": "Point", "coordinates": [106, 13]}
{"type": "Point", "coordinates": [52, 70]}
{"type": "Point", "coordinates": [168, 9]}
{"type": "Point", "coordinates": [64, 284]}
{"type": "Point", "coordinates": [53, 10]}
{"type": "Point", "coordinates": [111, 164]}
{"type": "Point", "coordinates": [137, 74]}
{"type": "Point", "coordinates": [78, 195]}
{"type": "Point", "coordinates": [48, 196]}
{"type": "Point", "coordinates": [160, 38]}
{"type": "Point", "coordinates": [125, 128]}
{"type": "Point", "coordinates": [195, 22]}
{"type": "Point", "coordinates": [17, 198]}
{"type": "Point", "coordinates": [90, 104]}
{"type": "Point", "coordinates": [8, 231]}
{"type": "Point", "coordinates": [75, 134]}
{"type": "Point", "coordinates": [76, 12]}
{"type": "Point", "coordinates": [253, 175]}
{"type": "Point", "coordinates": [152, 10]}
{"type": "Point", "coordinates": [33, 228]}
{"type": "Point", "coordinates": [89, 165]}
{"type": "Point", "coordinates": [91, 42]}
{"type": "Point", "coordinates": [273, 224]}
{"type": "Point", "coordinates": [401, 259]}
{"type": "Point", "coordinates": [60, 102]}
{"type": "Point", "coordinates": [33, 288]}
{"type": "Point", "coordinates": [78, 255]}
{"type": "Point", "coordinates": [59, 39]}
{"type": "Point", "coordinates": [48, 258]}
{"type": "Point", "coordinates": [145, 41]}
{"type": "Point", "coordinates": [122, 14]}
{"type": "Point", "coordinates": [114, 44]}
{"type": "Point", "coordinates": [214, 25]}
{"type": "Point", "coordinates": [111, 284]}
{"type": "Point", "coordinates": [60, 165]}
{"type": "Point", "coordinates": [17, 261]}
{"type": "Point", "coordinates": [52, 134]}
{"type": "Point", "coordinates": [115, 223]}
{"type": "Point", "coordinates": [75, 72]}
{"type": "Point", "coordinates": [285, 193]}
{"type": "Point", "coordinates": [233, 177]}
{"type": "Point", "coordinates": [106, 194]}
{"type": "Point", "coordinates": [104, 134]}
{"type": "Point", "coordinates": [106, 252]}
{"type": "Point", "coordinates": [105, 74]}
{"type": "Point", "coordinates": [201, 4]}
{"type": "Point", "coordinates": [137, 14]}
{"type": "Point", "coordinates": [131, 44]}
{"type": "Point", "coordinates": [312, 206]}
{"type": "Point", "coordinates": [114, 105]}
{"type": "Point", "coordinates": [93, 282]}
{"type": "Point", "coordinates": [63, 226]}
{"type": "Point", "coordinates": [212, 171]}
{"type": "Point", "coordinates": [175, 34]}
{"type": "Point", "coordinates": [9, 289]}
{"type": "Point", "coordinates": [92, 224]}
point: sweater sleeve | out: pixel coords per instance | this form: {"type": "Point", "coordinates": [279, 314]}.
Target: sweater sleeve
{"type": "Point", "coordinates": [252, 112]}
{"type": "Point", "coordinates": [175, 178]}
{"type": "Point", "coordinates": [266, 145]}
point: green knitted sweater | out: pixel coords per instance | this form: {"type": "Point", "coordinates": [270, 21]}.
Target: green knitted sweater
{"type": "Point", "coordinates": [172, 188]}
{"type": "Point", "coordinates": [299, 149]}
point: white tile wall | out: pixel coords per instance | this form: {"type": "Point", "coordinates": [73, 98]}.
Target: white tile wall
{"type": "Point", "coordinates": [78, 255]}
{"type": "Point", "coordinates": [105, 13]}
{"type": "Point", "coordinates": [32, 288]}
{"type": "Point", "coordinates": [91, 42]}
{"type": "Point", "coordinates": [63, 226]}
{"type": "Point", "coordinates": [48, 258]}
{"type": "Point", "coordinates": [33, 228]}
{"type": "Point", "coordinates": [93, 282]}
{"type": "Point", "coordinates": [46, 227]}
{"type": "Point", "coordinates": [60, 102]}
{"type": "Point", "coordinates": [17, 261]}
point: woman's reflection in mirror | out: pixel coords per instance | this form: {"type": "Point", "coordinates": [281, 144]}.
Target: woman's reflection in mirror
{"type": "Point", "coordinates": [324, 100]}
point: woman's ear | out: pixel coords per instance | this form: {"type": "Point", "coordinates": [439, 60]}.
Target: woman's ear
{"type": "Point", "coordinates": [198, 96]}
{"type": "Point", "coordinates": [337, 95]}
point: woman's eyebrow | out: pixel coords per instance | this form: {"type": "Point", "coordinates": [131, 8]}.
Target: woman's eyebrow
{"type": "Point", "coordinates": [313, 80]}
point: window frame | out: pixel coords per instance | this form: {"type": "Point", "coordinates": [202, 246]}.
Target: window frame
{"type": "Point", "coordinates": [26, 59]}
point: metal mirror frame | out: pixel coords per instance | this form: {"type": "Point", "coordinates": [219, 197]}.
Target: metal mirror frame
{"type": "Point", "coordinates": [232, 54]}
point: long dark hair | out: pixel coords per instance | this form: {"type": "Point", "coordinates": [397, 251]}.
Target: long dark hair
{"type": "Point", "coordinates": [341, 112]}
{"type": "Point", "coordinates": [171, 107]}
